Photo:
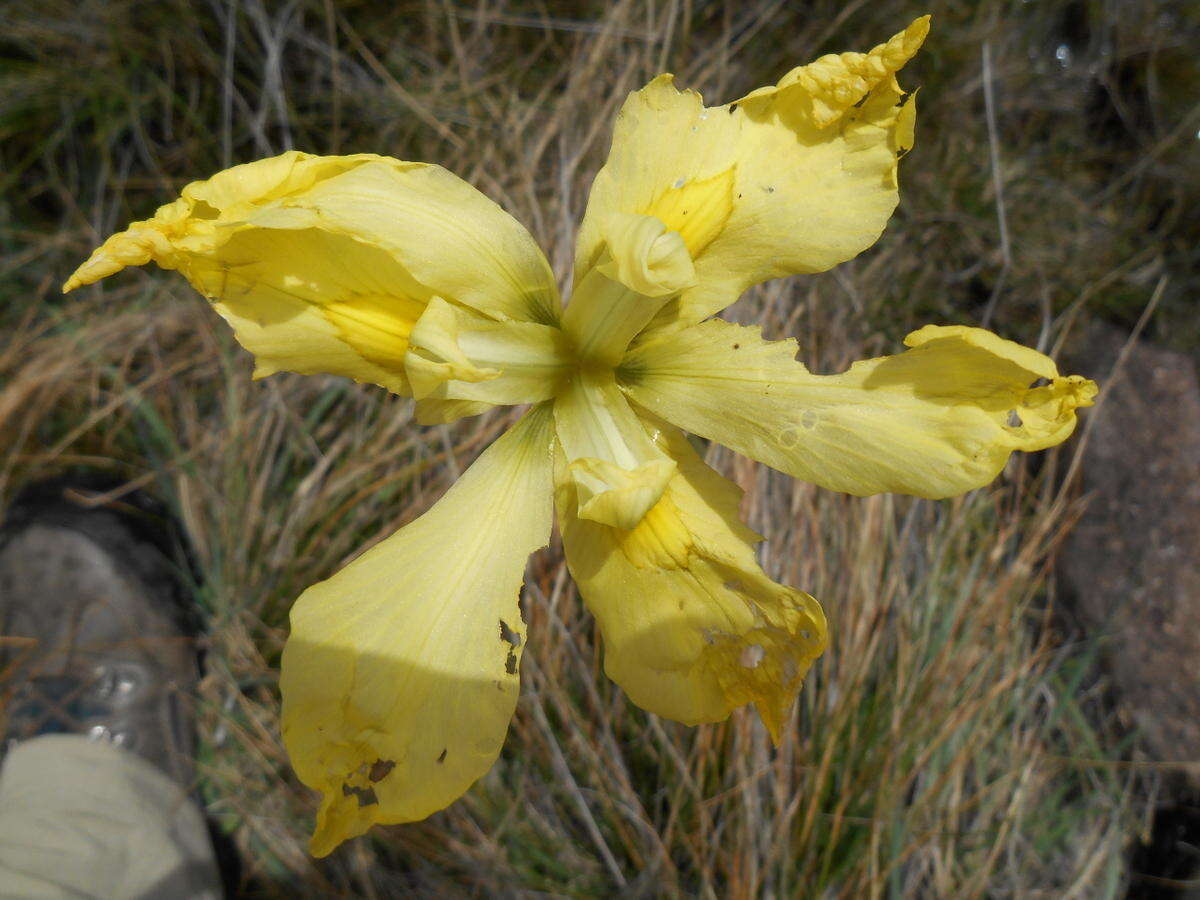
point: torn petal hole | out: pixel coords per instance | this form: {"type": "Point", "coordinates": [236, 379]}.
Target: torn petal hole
{"type": "Point", "coordinates": [513, 639]}
{"type": "Point", "coordinates": [1014, 420]}
{"type": "Point", "coordinates": [751, 656]}
{"type": "Point", "coordinates": [507, 634]}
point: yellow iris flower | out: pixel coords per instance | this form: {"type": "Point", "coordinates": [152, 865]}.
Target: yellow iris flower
{"type": "Point", "coordinates": [401, 672]}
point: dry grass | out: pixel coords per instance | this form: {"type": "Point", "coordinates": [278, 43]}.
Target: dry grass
{"type": "Point", "coordinates": [940, 748]}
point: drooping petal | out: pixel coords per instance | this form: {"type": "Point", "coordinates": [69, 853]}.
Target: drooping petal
{"type": "Point", "coordinates": [617, 469]}
{"type": "Point", "coordinates": [935, 421]}
{"type": "Point", "coordinates": [789, 179]}
{"type": "Point", "coordinates": [324, 264]}
{"type": "Point", "coordinates": [401, 671]}
{"type": "Point", "coordinates": [692, 626]}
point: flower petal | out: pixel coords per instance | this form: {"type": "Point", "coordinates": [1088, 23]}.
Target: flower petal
{"type": "Point", "coordinates": [457, 354]}
{"type": "Point", "coordinates": [401, 672]}
{"type": "Point", "coordinates": [641, 266]}
{"type": "Point", "coordinates": [935, 421]}
{"type": "Point", "coordinates": [692, 626]}
{"type": "Point", "coordinates": [617, 469]}
{"type": "Point", "coordinates": [792, 178]}
{"type": "Point", "coordinates": [324, 264]}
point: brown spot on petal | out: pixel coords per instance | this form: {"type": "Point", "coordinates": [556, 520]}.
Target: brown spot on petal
{"type": "Point", "coordinates": [365, 796]}
{"type": "Point", "coordinates": [380, 769]}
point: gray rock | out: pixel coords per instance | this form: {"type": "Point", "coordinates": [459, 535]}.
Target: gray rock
{"type": "Point", "coordinates": [1131, 566]}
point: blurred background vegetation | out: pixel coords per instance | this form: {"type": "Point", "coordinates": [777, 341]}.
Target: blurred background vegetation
{"type": "Point", "coordinates": [955, 741]}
